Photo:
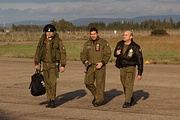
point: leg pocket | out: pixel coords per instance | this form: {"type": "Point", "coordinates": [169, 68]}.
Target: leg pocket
{"type": "Point", "coordinates": [129, 76]}
{"type": "Point", "coordinates": [129, 80]}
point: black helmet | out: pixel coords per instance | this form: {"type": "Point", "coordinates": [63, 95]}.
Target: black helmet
{"type": "Point", "coordinates": [49, 28]}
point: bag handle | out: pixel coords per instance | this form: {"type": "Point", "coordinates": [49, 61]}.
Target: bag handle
{"type": "Point", "coordinates": [39, 70]}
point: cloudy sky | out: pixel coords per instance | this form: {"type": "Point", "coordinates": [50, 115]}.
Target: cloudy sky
{"type": "Point", "coordinates": [19, 10]}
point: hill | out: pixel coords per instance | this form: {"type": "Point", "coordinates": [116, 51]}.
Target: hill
{"type": "Point", "coordinates": [139, 19]}
{"type": "Point", "coordinates": [27, 22]}
{"type": "Point", "coordinates": [86, 21]}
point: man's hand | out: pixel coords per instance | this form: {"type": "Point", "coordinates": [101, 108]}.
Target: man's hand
{"type": "Point", "coordinates": [118, 52]}
{"type": "Point", "coordinates": [99, 65]}
{"type": "Point", "coordinates": [37, 67]}
{"type": "Point", "coordinates": [139, 77]}
{"type": "Point", "coordinates": [62, 69]}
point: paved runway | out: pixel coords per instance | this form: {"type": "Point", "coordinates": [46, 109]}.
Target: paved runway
{"type": "Point", "coordinates": [157, 94]}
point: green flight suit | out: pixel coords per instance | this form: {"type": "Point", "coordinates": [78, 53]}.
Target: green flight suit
{"type": "Point", "coordinates": [51, 53]}
{"type": "Point", "coordinates": [96, 51]}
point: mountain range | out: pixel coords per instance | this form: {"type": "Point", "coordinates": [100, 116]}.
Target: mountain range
{"type": "Point", "coordinates": [86, 21]}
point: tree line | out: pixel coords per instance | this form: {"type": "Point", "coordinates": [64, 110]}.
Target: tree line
{"type": "Point", "coordinates": [63, 25]}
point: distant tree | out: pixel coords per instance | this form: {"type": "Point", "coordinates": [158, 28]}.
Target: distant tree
{"type": "Point", "coordinates": [153, 27]}
{"type": "Point", "coordinates": [170, 24]}
{"type": "Point", "coordinates": [159, 32]}
{"type": "Point", "coordinates": [178, 25]}
{"type": "Point", "coordinates": [98, 25]}
{"type": "Point", "coordinates": [171, 21]}
{"type": "Point", "coordinates": [145, 24]}
{"type": "Point", "coordinates": [25, 27]}
{"type": "Point", "coordinates": [14, 27]}
{"type": "Point", "coordinates": [2, 30]}
{"type": "Point", "coordinates": [63, 25]}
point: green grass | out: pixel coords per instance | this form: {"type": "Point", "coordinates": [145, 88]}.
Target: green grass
{"type": "Point", "coordinates": [73, 49]}
{"type": "Point", "coordinates": [18, 50]}
{"type": "Point", "coordinates": [27, 50]}
{"type": "Point", "coordinates": [156, 50]}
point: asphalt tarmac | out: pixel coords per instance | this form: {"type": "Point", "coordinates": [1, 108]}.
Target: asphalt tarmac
{"type": "Point", "coordinates": [157, 95]}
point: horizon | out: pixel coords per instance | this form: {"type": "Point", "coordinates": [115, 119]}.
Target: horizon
{"type": "Point", "coordinates": [96, 18]}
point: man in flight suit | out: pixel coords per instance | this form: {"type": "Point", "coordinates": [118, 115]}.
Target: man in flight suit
{"type": "Point", "coordinates": [51, 51]}
{"type": "Point", "coordinates": [96, 54]}
{"type": "Point", "coordinates": [129, 55]}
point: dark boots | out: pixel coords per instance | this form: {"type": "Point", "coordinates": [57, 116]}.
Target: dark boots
{"type": "Point", "coordinates": [129, 104]}
{"type": "Point", "coordinates": [51, 104]}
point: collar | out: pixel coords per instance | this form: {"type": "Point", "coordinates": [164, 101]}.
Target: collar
{"type": "Point", "coordinates": [94, 40]}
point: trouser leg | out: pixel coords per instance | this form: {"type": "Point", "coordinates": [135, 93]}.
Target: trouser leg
{"type": "Point", "coordinates": [127, 76]}
{"type": "Point", "coordinates": [50, 77]}
{"type": "Point", "coordinates": [97, 89]}
{"type": "Point", "coordinates": [100, 84]}
{"type": "Point", "coordinates": [89, 80]}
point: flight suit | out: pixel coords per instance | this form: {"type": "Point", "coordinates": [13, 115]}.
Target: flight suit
{"type": "Point", "coordinates": [51, 53]}
{"type": "Point", "coordinates": [95, 51]}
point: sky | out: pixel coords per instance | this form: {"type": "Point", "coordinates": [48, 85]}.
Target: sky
{"type": "Point", "coordinates": [46, 10]}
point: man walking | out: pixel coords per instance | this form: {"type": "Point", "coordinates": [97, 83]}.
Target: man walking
{"type": "Point", "coordinates": [129, 55]}
{"type": "Point", "coordinates": [51, 51]}
{"type": "Point", "coordinates": [95, 55]}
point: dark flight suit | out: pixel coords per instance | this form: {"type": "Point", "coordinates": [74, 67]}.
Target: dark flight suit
{"type": "Point", "coordinates": [96, 51]}
{"type": "Point", "coordinates": [51, 53]}
{"type": "Point", "coordinates": [130, 57]}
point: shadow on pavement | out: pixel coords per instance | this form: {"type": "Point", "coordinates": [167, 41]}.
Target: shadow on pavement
{"type": "Point", "coordinates": [4, 116]}
{"type": "Point", "coordinates": [140, 94]}
{"type": "Point", "coordinates": [61, 99]}
{"type": "Point", "coordinates": [110, 95]}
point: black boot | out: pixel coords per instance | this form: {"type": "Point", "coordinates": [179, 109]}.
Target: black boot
{"type": "Point", "coordinates": [49, 104]}
{"type": "Point", "coordinates": [93, 100]}
{"type": "Point", "coordinates": [132, 100]}
{"type": "Point", "coordinates": [52, 104]}
{"type": "Point", "coordinates": [126, 105]}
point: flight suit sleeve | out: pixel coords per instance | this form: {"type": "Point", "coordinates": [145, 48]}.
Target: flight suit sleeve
{"type": "Point", "coordinates": [140, 60]}
{"type": "Point", "coordinates": [63, 55]}
{"type": "Point", "coordinates": [83, 54]}
{"type": "Point", "coordinates": [106, 53]}
{"type": "Point", "coordinates": [37, 53]}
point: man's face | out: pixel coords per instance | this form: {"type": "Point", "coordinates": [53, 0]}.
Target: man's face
{"type": "Point", "coordinates": [93, 35]}
{"type": "Point", "coordinates": [127, 35]}
{"type": "Point", "coordinates": [49, 34]}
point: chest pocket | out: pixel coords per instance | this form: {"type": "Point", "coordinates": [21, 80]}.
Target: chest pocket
{"type": "Point", "coordinates": [55, 51]}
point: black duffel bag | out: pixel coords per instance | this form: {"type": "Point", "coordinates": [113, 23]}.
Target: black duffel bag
{"type": "Point", "coordinates": [37, 84]}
